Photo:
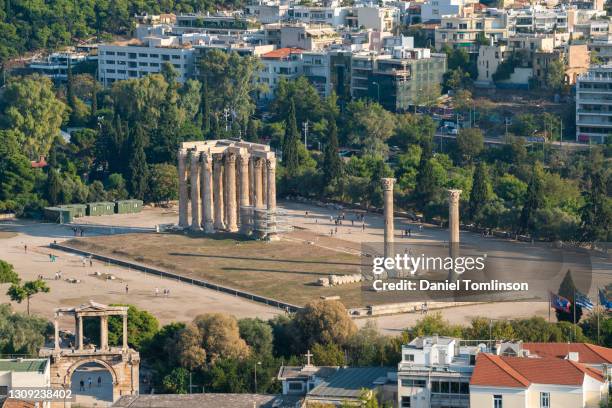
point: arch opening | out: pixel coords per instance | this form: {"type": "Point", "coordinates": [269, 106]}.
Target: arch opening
{"type": "Point", "coordinates": [92, 382]}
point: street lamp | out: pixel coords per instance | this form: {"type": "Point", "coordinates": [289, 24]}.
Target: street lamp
{"type": "Point", "coordinates": [255, 375]}
{"type": "Point", "coordinates": [377, 90]}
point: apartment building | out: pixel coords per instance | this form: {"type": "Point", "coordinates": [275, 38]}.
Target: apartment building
{"type": "Point", "coordinates": [503, 382]}
{"type": "Point", "coordinates": [135, 59]}
{"type": "Point", "coordinates": [434, 10]}
{"type": "Point", "coordinates": [308, 38]}
{"type": "Point", "coordinates": [212, 24]}
{"type": "Point", "coordinates": [594, 104]}
{"type": "Point", "coordinates": [602, 47]}
{"type": "Point", "coordinates": [55, 65]}
{"type": "Point", "coordinates": [333, 16]}
{"type": "Point", "coordinates": [537, 19]}
{"type": "Point", "coordinates": [435, 372]}
{"type": "Point", "coordinates": [397, 79]}
{"type": "Point", "coordinates": [377, 18]}
{"type": "Point", "coordinates": [267, 13]}
{"type": "Point", "coordinates": [22, 373]}
{"type": "Point", "coordinates": [469, 31]}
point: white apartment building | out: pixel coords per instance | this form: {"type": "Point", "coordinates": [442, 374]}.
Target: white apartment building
{"type": "Point", "coordinates": [135, 59]}
{"type": "Point", "coordinates": [333, 16]}
{"type": "Point", "coordinates": [308, 38]}
{"type": "Point", "coordinates": [433, 10]}
{"type": "Point", "coordinates": [377, 18]}
{"type": "Point", "coordinates": [291, 63]}
{"type": "Point", "coordinates": [435, 372]}
{"type": "Point", "coordinates": [55, 65]}
{"type": "Point", "coordinates": [464, 32]}
{"type": "Point", "coordinates": [538, 19]}
{"type": "Point", "coordinates": [594, 104]}
{"type": "Point", "coordinates": [267, 13]}
{"type": "Point", "coordinates": [24, 372]}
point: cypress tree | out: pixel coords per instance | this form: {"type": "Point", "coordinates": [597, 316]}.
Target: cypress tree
{"type": "Point", "coordinates": [205, 104]}
{"type": "Point", "coordinates": [94, 104]}
{"type": "Point", "coordinates": [137, 167]}
{"type": "Point", "coordinates": [54, 187]}
{"type": "Point", "coordinates": [480, 190]}
{"type": "Point", "coordinates": [596, 214]}
{"type": "Point", "coordinates": [291, 159]}
{"type": "Point", "coordinates": [251, 132]}
{"type": "Point", "coordinates": [534, 201]}
{"type": "Point", "coordinates": [332, 164]}
{"type": "Point", "coordinates": [70, 98]}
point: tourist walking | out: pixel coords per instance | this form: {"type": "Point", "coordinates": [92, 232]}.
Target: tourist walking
{"type": "Point", "coordinates": [81, 385]}
{"type": "Point", "coordinates": [156, 291]}
{"type": "Point", "coordinates": [25, 248]}
{"type": "Point", "coordinates": [89, 382]}
{"type": "Point", "coordinates": [99, 381]}
{"type": "Point", "coordinates": [127, 289]}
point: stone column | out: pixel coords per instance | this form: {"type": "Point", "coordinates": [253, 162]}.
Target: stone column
{"type": "Point", "coordinates": [80, 332]}
{"type": "Point", "coordinates": [125, 332]}
{"type": "Point", "coordinates": [56, 331]}
{"type": "Point", "coordinates": [206, 187]}
{"type": "Point", "coordinates": [183, 199]}
{"type": "Point", "coordinates": [453, 216]}
{"type": "Point", "coordinates": [264, 182]}
{"type": "Point", "coordinates": [243, 165]}
{"type": "Point", "coordinates": [252, 181]}
{"type": "Point", "coordinates": [232, 211]}
{"type": "Point", "coordinates": [195, 192]}
{"type": "Point", "coordinates": [218, 191]}
{"type": "Point", "coordinates": [104, 332]}
{"type": "Point", "coordinates": [387, 185]}
{"type": "Point", "coordinates": [453, 228]}
{"type": "Point", "coordinates": [257, 168]}
{"type": "Point", "coordinates": [271, 198]}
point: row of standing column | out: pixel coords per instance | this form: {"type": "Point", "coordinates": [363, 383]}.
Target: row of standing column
{"type": "Point", "coordinates": [217, 193]}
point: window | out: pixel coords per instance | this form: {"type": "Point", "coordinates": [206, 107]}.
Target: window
{"type": "Point", "coordinates": [413, 383]}
{"type": "Point", "coordinates": [132, 55]}
{"type": "Point", "coordinates": [435, 386]}
{"type": "Point", "coordinates": [405, 402]}
{"type": "Point", "coordinates": [544, 400]}
{"type": "Point", "coordinates": [110, 52]}
{"type": "Point", "coordinates": [176, 57]}
{"type": "Point", "coordinates": [497, 401]}
{"type": "Point", "coordinates": [409, 357]}
{"type": "Point", "coordinates": [165, 57]}
{"type": "Point", "coordinates": [143, 55]}
{"type": "Point", "coordinates": [295, 386]}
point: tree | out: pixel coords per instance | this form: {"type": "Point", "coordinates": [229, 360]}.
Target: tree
{"type": "Point", "coordinates": [291, 144]}
{"type": "Point", "coordinates": [257, 334]}
{"type": "Point", "coordinates": [597, 212]}
{"type": "Point", "coordinates": [328, 355]}
{"type": "Point", "coordinates": [368, 126]}
{"type": "Point", "coordinates": [54, 187]}
{"type": "Point", "coordinates": [137, 167]}
{"type": "Point", "coordinates": [324, 322]}
{"type": "Point", "coordinates": [18, 293]}
{"type": "Point", "coordinates": [534, 200]}
{"type": "Point", "coordinates": [8, 274]}
{"type": "Point", "coordinates": [568, 290]}
{"type": "Point", "coordinates": [332, 164]}
{"type": "Point", "coordinates": [555, 75]}
{"type": "Point", "coordinates": [30, 108]}
{"type": "Point", "coordinates": [21, 334]}
{"type": "Point", "coordinates": [481, 191]}
{"type": "Point", "coordinates": [220, 336]}
{"type": "Point", "coordinates": [470, 142]}
{"type": "Point", "coordinates": [163, 184]}
{"type": "Point", "coordinates": [177, 382]}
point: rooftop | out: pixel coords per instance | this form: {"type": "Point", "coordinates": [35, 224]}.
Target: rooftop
{"type": "Point", "coordinates": [348, 382]}
{"type": "Point", "coordinates": [281, 53]}
{"type": "Point", "coordinates": [587, 353]}
{"type": "Point", "coordinates": [521, 372]}
{"type": "Point", "coordinates": [24, 365]}
{"type": "Point", "coordinates": [205, 400]}
{"type": "Point", "coordinates": [287, 372]}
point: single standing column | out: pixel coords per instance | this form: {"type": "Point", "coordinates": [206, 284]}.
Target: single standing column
{"type": "Point", "coordinates": [218, 191]}
{"type": "Point", "coordinates": [183, 199]}
{"type": "Point", "coordinates": [243, 163]}
{"type": "Point", "coordinates": [264, 182]}
{"type": "Point", "coordinates": [257, 167]}
{"type": "Point", "coordinates": [252, 181]}
{"type": "Point", "coordinates": [103, 332]}
{"type": "Point", "coordinates": [271, 195]}
{"type": "Point", "coordinates": [232, 213]}
{"type": "Point", "coordinates": [387, 185]}
{"type": "Point", "coordinates": [195, 193]}
{"type": "Point", "coordinates": [80, 332]}
{"type": "Point", "coordinates": [207, 193]}
{"type": "Point", "coordinates": [56, 330]}
{"type": "Point", "coordinates": [453, 226]}
{"type": "Point", "coordinates": [125, 332]}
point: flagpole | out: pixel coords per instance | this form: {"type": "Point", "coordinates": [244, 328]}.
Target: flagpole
{"type": "Point", "coordinates": [574, 314]}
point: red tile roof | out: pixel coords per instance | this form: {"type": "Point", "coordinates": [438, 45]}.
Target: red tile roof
{"type": "Point", "coordinates": [587, 353]}
{"type": "Point", "coordinates": [520, 372]}
{"type": "Point", "coordinates": [281, 53]}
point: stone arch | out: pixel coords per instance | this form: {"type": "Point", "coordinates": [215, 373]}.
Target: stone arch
{"type": "Point", "coordinates": [78, 363]}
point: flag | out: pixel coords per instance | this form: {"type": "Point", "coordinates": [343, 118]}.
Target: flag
{"type": "Point", "coordinates": [583, 301]}
{"type": "Point", "coordinates": [559, 303]}
{"type": "Point", "coordinates": [603, 299]}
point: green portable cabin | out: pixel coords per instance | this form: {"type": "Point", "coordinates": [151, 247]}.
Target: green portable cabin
{"type": "Point", "coordinates": [78, 210]}
{"type": "Point", "coordinates": [59, 215]}
{"type": "Point", "coordinates": [101, 208]}
{"type": "Point", "coordinates": [128, 206]}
